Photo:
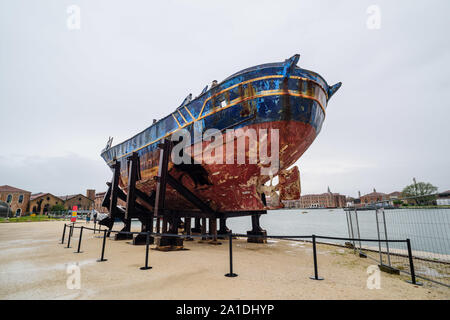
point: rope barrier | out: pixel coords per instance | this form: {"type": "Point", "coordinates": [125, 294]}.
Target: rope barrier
{"type": "Point", "coordinates": [230, 236]}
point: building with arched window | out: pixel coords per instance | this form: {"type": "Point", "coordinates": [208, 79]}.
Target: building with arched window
{"type": "Point", "coordinates": [17, 199]}
{"type": "Point", "coordinates": [41, 203]}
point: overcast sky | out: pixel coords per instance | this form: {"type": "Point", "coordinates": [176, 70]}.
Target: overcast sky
{"type": "Point", "coordinates": [64, 91]}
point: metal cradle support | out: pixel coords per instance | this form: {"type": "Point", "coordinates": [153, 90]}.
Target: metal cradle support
{"type": "Point", "coordinates": [257, 234]}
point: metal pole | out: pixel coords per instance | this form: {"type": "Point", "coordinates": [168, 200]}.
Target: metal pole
{"type": "Point", "coordinates": [353, 235]}
{"type": "Point", "coordinates": [70, 236]}
{"type": "Point", "coordinates": [147, 244]}
{"type": "Point", "coordinates": [378, 232]}
{"type": "Point", "coordinates": [316, 273]}
{"type": "Point", "coordinates": [411, 265]}
{"type": "Point", "coordinates": [357, 228]}
{"type": "Point", "coordinates": [386, 237]}
{"type": "Point", "coordinates": [231, 274]}
{"type": "Point", "coordinates": [79, 240]}
{"type": "Point", "coordinates": [64, 233]}
{"type": "Point", "coordinates": [103, 248]}
{"type": "Point", "coordinates": [348, 225]}
{"type": "Point", "coordinates": [95, 225]}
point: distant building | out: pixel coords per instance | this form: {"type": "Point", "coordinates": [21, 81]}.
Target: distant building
{"type": "Point", "coordinates": [21, 201]}
{"type": "Point", "coordinates": [395, 195]}
{"type": "Point", "coordinates": [373, 197]}
{"type": "Point", "coordinates": [41, 203]}
{"type": "Point", "coordinates": [98, 202]}
{"type": "Point", "coordinates": [443, 198]}
{"type": "Point", "coordinates": [323, 200]}
{"type": "Point", "coordinates": [350, 202]}
{"type": "Point", "coordinates": [79, 200]}
{"type": "Point", "coordinates": [17, 199]}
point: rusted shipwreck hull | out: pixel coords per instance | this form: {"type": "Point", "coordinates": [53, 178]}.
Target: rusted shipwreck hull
{"type": "Point", "coordinates": [270, 96]}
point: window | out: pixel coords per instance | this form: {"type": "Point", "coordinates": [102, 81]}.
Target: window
{"type": "Point", "coordinates": [9, 198]}
{"type": "Point", "coordinates": [18, 211]}
{"type": "Point", "coordinates": [21, 198]}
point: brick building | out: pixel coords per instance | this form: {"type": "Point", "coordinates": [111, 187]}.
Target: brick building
{"type": "Point", "coordinates": [17, 199]}
{"type": "Point", "coordinates": [79, 200]}
{"type": "Point", "coordinates": [98, 202]}
{"type": "Point", "coordinates": [373, 197]}
{"type": "Point", "coordinates": [41, 203]}
{"type": "Point", "coordinates": [323, 200]}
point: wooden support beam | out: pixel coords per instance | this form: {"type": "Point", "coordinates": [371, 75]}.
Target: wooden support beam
{"type": "Point", "coordinates": [188, 195]}
{"type": "Point", "coordinates": [213, 231]}
{"type": "Point", "coordinates": [187, 228]}
{"type": "Point", "coordinates": [114, 188]}
{"type": "Point", "coordinates": [133, 176]}
{"type": "Point", "coordinates": [107, 197]}
{"type": "Point", "coordinates": [165, 150]}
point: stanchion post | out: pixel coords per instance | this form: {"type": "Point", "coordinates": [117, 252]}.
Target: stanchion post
{"type": "Point", "coordinates": [79, 240]}
{"type": "Point", "coordinates": [411, 265]}
{"type": "Point", "coordinates": [147, 244]}
{"type": "Point", "coordinates": [64, 233]}
{"type": "Point", "coordinates": [103, 248]}
{"type": "Point", "coordinates": [70, 236]}
{"type": "Point", "coordinates": [316, 273]}
{"type": "Point", "coordinates": [231, 274]}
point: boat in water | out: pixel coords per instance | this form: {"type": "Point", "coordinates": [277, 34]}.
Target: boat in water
{"type": "Point", "coordinates": [280, 96]}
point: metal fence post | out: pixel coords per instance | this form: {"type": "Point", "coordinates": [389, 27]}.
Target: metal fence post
{"type": "Point", "coordinates": [147, 244]}
{"type": "Point", "coordinates": [79, 240]}
{"type": "Point", "coordinates": [70, 236]}
{"type": "Point", "coordinates": [361, 254]}
{"type": "Point", "coordinates": [386, 237]}
{"type": "Point", "coordinates": [231, 274]}
{"type": "Point", "coordinates": [348, 224]}
{"type": "Point", "coordinates": [316, 273]}
{"type": "Point", "coordinates": [64, 233]}
{"type": "Point", "coordinates": [103, 248]}
{"type": "Point", "coordinates": [353, 234]}
{"type": "Point", "coordinates": [379, 240]}
{"type": "Point", "coordinates": [411, 265]}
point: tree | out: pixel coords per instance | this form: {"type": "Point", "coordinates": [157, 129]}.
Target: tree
{"type": "Point", "coordinates": [57, 207]}
{"type": "Point", "coordinates": [422, 192]}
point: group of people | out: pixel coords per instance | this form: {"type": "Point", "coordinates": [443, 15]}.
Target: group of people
{"type": "Point", "coordinates": [88, 217]}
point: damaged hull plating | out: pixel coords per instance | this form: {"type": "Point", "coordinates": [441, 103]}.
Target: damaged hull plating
{"type": "Point", "coordinates": [271, 96]}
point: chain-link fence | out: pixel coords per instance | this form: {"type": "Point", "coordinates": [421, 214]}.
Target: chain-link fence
{"type": "Point", "coordinates": [426, 226]}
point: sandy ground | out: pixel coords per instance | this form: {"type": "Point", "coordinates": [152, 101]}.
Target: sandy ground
{"type": "Point", "coordinates": [33, 265]}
